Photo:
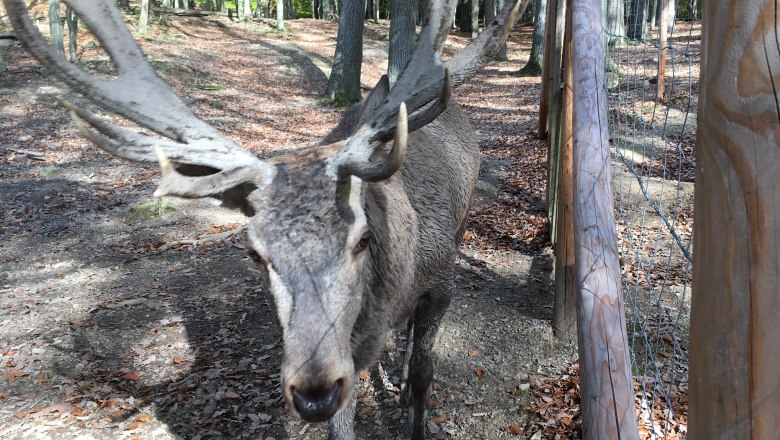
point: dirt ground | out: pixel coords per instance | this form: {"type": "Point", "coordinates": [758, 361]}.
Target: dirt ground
{"type": "Point", "coordinates": [117, 325]}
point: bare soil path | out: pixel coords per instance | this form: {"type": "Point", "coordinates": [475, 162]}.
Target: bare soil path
{"type": "Point", "coordinates": [115, 325]}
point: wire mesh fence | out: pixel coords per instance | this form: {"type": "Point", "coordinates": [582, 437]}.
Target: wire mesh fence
{"type": "Point", "coordinates": [652, 123]}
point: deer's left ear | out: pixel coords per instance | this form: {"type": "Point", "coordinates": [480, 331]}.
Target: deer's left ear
{"type": "Point", "coordinates": [374, 100]}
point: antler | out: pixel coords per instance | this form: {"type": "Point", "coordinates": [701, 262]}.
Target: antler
{"type": "Point", "coordinates": [424, 77]}
{"type": "Point", "coordinates": [137, 94]}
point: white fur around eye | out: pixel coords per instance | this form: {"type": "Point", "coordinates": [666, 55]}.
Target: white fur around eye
{"type": "Point", "coordinates": [359, 227]}
{"type": "Point", "coordinates": [282, 297]}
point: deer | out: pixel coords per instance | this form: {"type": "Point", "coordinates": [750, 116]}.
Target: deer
{"type": "Point", "coordinates": [355, 235]}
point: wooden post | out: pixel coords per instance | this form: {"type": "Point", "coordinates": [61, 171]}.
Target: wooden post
{"type": "Point", "coordinates": [554, 113]}
{"type": "Point", "coordinates": [663, 11]}
{"type": "Point", "coordinates": [734, 390]}
{"type": "Point", "coordinates": [565, 305]}
{"type": "Point", "coordinates": [607, 392]}
{"type": "Point", "coordinates": [544, 98]}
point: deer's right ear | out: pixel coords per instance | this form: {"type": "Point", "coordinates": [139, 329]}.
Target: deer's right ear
{"type": "Point", "coordinates": [374, 100]}
{"type": "Point", "coordinates": [233, 198]}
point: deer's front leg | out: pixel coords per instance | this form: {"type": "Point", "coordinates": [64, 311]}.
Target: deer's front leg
{"type": "Point", "coordinates": [427, 317]}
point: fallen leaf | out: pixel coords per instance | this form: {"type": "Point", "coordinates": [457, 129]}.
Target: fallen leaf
{"type": "Point", "coordinates": [131, 375]}
{"type": "Point", "coordinates": [12, 374]}
{"type": "Point", "coordinates": [474, 353]}
{"type": "Point", "coordinates": [133, 426]}
{"type": "Point", "coordinates": [439, 419]}
{"type": "Point", "coordinates": [514, 429]}
{"type": "Point", "coordinates": [177, 359]}
{"type": "Point", "coordinates": [143, 418]}
{"type": "Point", "coordinates": [365, 375]}
{"type": "Point", "coordinates": [480, 373]}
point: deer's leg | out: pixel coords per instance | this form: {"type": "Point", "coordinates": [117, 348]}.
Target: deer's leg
{"type": "Point", "coordinates": [427, 317]}
{"type": "Point", "coordinates": [407, 358]}
{"type": "Point", "coordinates": [342, 425]}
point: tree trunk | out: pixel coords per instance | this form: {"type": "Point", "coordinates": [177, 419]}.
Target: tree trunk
{"type": "Point", "coordinates": [73, 31]}
{"type": "Point", "coordinates": [607, 391]}
{"type": "Point", "coordinates": [144, 18]}
{"type": "Point", "coordinates": [474, 18]}
{"type": "Point", "coordinates": [734, 349]}
{"type": "Point", "coordinates": [325, 9]}
{"type": "Point", "coordinates": [247, 7]}
{"type": "Point", "coordinates": [344, 82]}
{"type": "Point", "coordinates": [616, 29]}
{"type": "Point", "coordinates": [502, 53]}
{"type": "Point", "coordinates": [401, 37]}
{"type": "Point", "coordinates": [376, 10]}
{"type": "Point", "coordinates": [2, 64]}
{"type": "Point", "coordinates": [653, 13]}
{"type": "Point", "coordinates": [490, 11]}
{"type": "Point", "coordinates": [280, 14]}
{"type": "Point", "coordinates": [637, 19]}
{"type": "Point", "coordinates": [55, 27]}
{"type": "Point", "coordinates": [534, 65]}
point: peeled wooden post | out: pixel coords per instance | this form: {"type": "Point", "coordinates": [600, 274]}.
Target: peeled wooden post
{"type": "Point", "coordinates": [565, 305]}
{"type": "Point", "coordinates": [734, 390]}
{"type": "Point", "coordinates": [607, 392]}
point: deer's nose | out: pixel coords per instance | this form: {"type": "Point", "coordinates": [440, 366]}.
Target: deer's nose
{"type": "Point", "coordinates": [317, 404]}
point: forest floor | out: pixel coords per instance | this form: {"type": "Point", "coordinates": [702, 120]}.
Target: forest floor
{"type": "Point", "coordinates": [117, 325]}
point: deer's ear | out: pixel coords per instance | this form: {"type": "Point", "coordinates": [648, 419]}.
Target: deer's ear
{"type": "Point", "coordinates": [374, 100]}
{"type": "Point", "coordinates": [233, 198]}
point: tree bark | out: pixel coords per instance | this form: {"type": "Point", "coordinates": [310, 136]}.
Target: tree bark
{"type": "Point", "coordinates": [344, 82]}
{"type": "Point", "coordinates": [325, 9]}
{"type": "Point", "coordinates": [607, 391]}
{"type": "Point", "coordinates": [144, 18]}
{"type": "Point", "coordinates": [502, 53]}
{"type": "Point", "coordinates": [474, 18]}
{"type": "Point", "coordinates": [55, 27]}
{"type": "Point", "coordinates": [490, 11]}
{"type": "Point", "coordinates": [637, 19]}
{"type": "Point", "coordinates": [247, 6]}
{"type": "Point", "coordinates": [402, 32]}
{"type": "Point", "coordinates": [734, 349]}
{"type": "Point", "coordinates": [534, 65]}
{"type": "Point", "coordinates": [616, 28]}
{"type": "Point", "coordinates": [73, 31]}
{"type": "Point", "coordinates": [280, 14]}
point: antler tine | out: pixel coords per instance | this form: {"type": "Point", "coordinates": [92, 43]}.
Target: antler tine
{"type": "Point", "coordinates": [481, 50]}
{"type": "Point", "coordinates": [137, 94]}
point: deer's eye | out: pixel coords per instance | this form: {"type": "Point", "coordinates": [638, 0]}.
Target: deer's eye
{"type": "Point", "coordinates": [256, 257]}
{"type": "Point", "coordinates": [362, 244]}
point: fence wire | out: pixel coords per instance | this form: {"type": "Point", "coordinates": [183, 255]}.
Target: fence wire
{"type": "Point", "coordinates": [652, 141]}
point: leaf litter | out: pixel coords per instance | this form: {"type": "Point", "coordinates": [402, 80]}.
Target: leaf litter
{"type": "Point", "coordinates": [111, 336]}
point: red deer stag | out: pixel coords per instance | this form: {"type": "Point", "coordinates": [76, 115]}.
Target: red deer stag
{"type": "Point", "coordinates": [356, 235]}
